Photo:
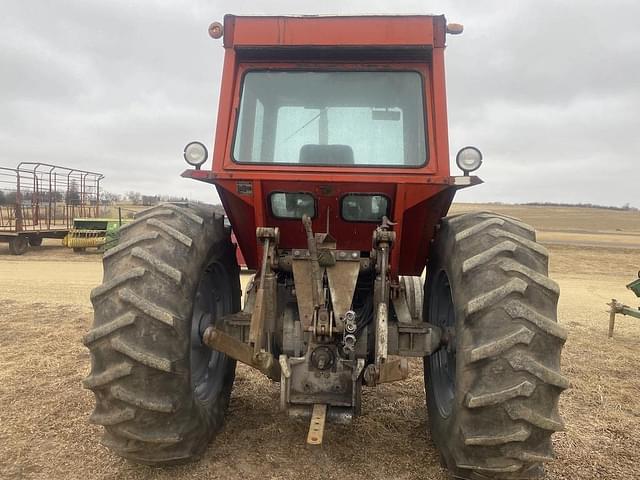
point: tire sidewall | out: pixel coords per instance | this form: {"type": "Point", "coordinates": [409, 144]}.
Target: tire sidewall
{"type": "Point", "coordinates": [442, 259]}
{"type": "Point", "coordinates": [223, 253]}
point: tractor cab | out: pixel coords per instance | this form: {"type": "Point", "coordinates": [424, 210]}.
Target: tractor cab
{"type": "Point", "coordinates": [339, 118]}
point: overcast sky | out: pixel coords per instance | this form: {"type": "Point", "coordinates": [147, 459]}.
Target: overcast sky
{"type": "Point", "coordinates": [548, 90]}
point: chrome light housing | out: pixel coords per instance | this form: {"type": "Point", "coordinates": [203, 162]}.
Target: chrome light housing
{"type": "Point", "coordinates": [195, 154]}
{"type": "Point", "coordinates": [469, 159]}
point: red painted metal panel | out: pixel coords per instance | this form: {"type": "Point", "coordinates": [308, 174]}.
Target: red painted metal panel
{"type": "Point", "coordinates": [241, 216]}
{"type": "Point", "coordinates": [328, 195]}
{"type": "Point", "coordinates": [225, 105]}
{"type": "Point", "coordinates": [417, 229]}
{"type": "Point", "coordinates": [387, 31]}
{"type": "Point", "coordinates": [416, 208]}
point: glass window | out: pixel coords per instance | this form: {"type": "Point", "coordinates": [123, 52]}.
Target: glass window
{"type": "Point", "coordinates": [292, 205]}
{"type": "Point", "coordinates": [373, 118]}
{"type": "Point", "coordinates": [359, 207]}
{"type": "Point", "coordinates": [289, 144]}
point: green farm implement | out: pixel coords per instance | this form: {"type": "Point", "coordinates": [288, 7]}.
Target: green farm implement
{"type": "Point", "coordinates": [100, 233]}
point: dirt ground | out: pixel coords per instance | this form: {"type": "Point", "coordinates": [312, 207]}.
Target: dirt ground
{"type": "Point", "coordinates": [44, 434]}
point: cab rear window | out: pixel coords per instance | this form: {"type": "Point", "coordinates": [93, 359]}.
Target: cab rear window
{"type": "Point", "coordinates": [292, 205]}
{"type": "Point", "coordinates": [359, 207]}
{"type": "Point", "coordinates": [349, 119]}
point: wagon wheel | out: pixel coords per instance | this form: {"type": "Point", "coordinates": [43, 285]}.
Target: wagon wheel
{"type": "Point", "coordinates": [18, 245]}
{"type": "Point", "coordinates": [35, 240]}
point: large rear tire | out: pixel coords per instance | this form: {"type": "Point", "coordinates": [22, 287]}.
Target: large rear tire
{"type": "Point", "coordinates": [160, 392]}
{"type": "Point", "coordinates": [492, 392]}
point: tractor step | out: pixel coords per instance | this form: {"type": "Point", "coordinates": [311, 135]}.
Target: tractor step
{"type": "Point", "coordinates": [316, 426]}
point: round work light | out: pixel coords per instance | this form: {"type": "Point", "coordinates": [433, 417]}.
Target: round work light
{"type": "Point", "coordinates": [215, 30]}
{"type": "Point", "coordinates": [469, 159]}
{"type": "Point", "coordinates": [195, 153]}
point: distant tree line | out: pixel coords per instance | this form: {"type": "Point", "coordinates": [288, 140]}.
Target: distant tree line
{"type": "Point", "coordinates": [136, 198]}
{"type": "Point", "coordinates": [71, 196]}
{"type": "Point", "coordinates": [9, 197]}
{"type": "Point", "coordinates": [625, 207]}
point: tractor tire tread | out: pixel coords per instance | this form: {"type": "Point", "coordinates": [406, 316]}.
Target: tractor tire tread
{"type": "Point", "coordinates": [161, 267]}
{"type": "Point", "coordinates": [519, 434]}
{"type": "Point", "coordinates": [113, 417]}
{"type": "Point", "coordinates": [521, 362]}
{"type": "Point", "coordinates": [509, 355]}
{"type": "Point", "coordinates": [145, 215]}
{"type": "Point", "coordinates": [148, 437]}
{"type": "Point", "coordinates": [126, 245]}
{"type": "Point", "coordinates": [525, 242]}
{"type": "Point", "coordinates": [139, 342]}
{"type": "Point", "coordinates": [500, 345]}
{"type": "Point", "coordinates": [488, 255]}
{"type": "Point", "coordinates": [169, 230]}
{"type": "Point", "coordinates": [143, 400]}
{"type": "Point", "coordinates": [110, 374]}
{"type": "Point", "coordinates": [147, 307]}
{"type": "Point", "coordinates": [141, 355]}
{"type": "Point", "coordinates": [101, 331]}
{"type": "Point", "coordinates": [116, 282]}
{"type": "Point", "coordinates": [518, 311]}
{"type": "Point", "coordinates": [523, 389]}
{"type": "Point", "coordinates": [519, 411]}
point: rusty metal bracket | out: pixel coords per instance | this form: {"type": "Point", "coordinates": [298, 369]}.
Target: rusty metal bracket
{"type": "Point", "coordinates": [382, 333]}
{"type": "Point", "coordinates": [262, 361]}
{"type": "Point", "coordinates": [390, 371]}
{"type": "Point", "coordinates": [269, 238]}
{"type": "Point", "coordinates": [301, 275]}
{"type": "Point", "coordinates": [401, 308]}
{"type": "Point", "coordinates": [316, 277]}
{"type": "Point", "coordinates": [342, 279]}
{"type": "Point", "coordinates": [338, 255]}
{"type": "Point", "coordinates": [415, 340]}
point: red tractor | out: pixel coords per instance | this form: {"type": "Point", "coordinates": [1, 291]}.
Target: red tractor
{"type": "Point", "coordinates": [331, 160]}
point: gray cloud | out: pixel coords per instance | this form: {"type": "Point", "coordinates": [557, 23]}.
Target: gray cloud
{"type": "Point", "coordinates": [548, 90]}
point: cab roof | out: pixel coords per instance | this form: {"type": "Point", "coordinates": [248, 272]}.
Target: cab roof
{"type": "Point", "coordinates": [371, 32]}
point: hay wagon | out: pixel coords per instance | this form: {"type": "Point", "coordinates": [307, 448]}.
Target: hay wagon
{"type": "Point", "coordinates": [40, 200]}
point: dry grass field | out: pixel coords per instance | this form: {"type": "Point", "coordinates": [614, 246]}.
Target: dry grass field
{"type": "Point", "coordinates": [44, 434]}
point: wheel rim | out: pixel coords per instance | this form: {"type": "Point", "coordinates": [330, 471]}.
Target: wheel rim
{"type": "Point", "coordinates": [213, 300]}
{"type": "Point", "coordinates": [442, 363]}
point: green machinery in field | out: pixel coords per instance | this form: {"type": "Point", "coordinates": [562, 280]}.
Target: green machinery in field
{"type": "Point", "coordinates": [100, 233]}
{"type": "Point", "coordinates": [619, 308]}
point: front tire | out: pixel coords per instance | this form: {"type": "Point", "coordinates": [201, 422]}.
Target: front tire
{"type": "Point", "coordinates": [160, 392]}
{"type": "Point", "coordinates": [492, 392]}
